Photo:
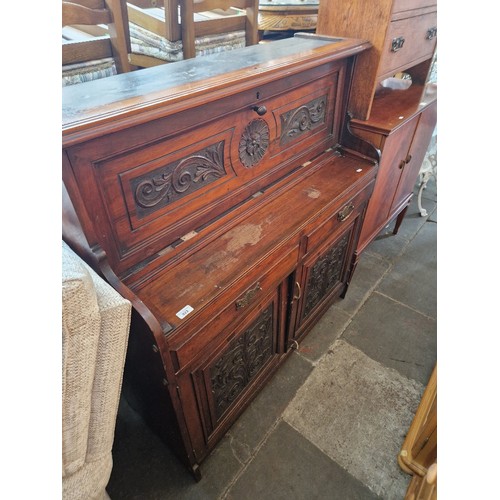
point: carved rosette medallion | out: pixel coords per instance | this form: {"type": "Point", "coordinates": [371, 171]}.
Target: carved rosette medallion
{"type": "Point", "coordinates": [297, 121]}
{"type": "Point", "coordinates": [242, 361]}
{"type": "Point", "coordinates": [175, 180]}
{"type": "Point", "coordinates": [325, 274]}
{"type": "Point", "coordinates": [254, 142]}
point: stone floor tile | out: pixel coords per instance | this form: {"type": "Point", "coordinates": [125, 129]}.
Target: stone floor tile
{"type": "Point", "coordinates": [324, 334]}
{"type": "Point", "coordinates": [369, 271]}
{"type": "Point", "coordinates": [358, 412]}
{"type": "Point", "coordinates": [254, 424]}
{"type": "Point", "coordinates": [396, 336]}
{"type": "Point", "coordinates": [413, 279]}
{"type": "Point", "coordinates": [289, 467]}
{"type": "Point", "coordinates": [389, 246]}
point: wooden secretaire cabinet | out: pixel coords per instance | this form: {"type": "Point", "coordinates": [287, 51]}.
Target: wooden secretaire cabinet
{"type": "Point", "coordinates": [224, 196]}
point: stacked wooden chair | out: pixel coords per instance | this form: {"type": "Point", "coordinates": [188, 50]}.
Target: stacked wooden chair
{"type": "Point", "coordinates": [172, 30]}
{"type": "Point", "coordinates": [95, 41]}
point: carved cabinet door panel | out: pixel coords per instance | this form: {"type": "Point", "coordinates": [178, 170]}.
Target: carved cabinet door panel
{"type": "Point", "coordinates": [225, 381]}
{"type": "Point", "coordinates": [323, 276]}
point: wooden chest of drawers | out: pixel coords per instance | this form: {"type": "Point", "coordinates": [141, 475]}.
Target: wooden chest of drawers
{"type": "Point", "coordinates": [215, 194]}
{"type": "Point", "coordinates": [399, 123]}
{"type": "Point", "coordinates": [403, 34]}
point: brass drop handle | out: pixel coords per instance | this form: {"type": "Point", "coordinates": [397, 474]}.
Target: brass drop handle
{"type": "Point", "coordinates": [297, 297]}
{"type": "Point", "coordinates": [260, 110]}
{"type": "Point", "coordinates": [408, 159]}
{"type": "Point", "coordinates": [294, 344]}
{"type": "Point", "coordinates": [431, 33]}
{"type": "Point", "coordinates": [248, 296]}
{"type": "Point", "coordinates": [397, 43]}
{"type": "Point", "coordinates": [345, 213]}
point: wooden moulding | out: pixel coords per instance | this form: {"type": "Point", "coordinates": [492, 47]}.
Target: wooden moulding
{"type": "Point", "coordinates": [419, 450]}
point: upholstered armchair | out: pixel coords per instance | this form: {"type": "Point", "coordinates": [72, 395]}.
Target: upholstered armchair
{"type": "Point", "coordinates": [95, 328]}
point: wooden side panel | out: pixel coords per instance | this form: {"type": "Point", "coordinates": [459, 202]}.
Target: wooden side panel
{"type": "Point", "coordinates": [416, 154]}
{"type": "Point", "coordinates": [394, 153]}
{"type": "Point", "coordinates": [360, 19]}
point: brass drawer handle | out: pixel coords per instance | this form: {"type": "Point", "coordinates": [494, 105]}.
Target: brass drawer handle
{"type": "Point", "coordinates": [345, 213]}
{"type": "Point", "coordinates": [248, 297]}
{"type": "Point", "coordinates": [431, 33]}
{"type": "Point", "coordinates": [260, 110]}
{"type": "Point", "coordinates": [297, 297]}
{"type": "Point", "coordinates": [397, 43]}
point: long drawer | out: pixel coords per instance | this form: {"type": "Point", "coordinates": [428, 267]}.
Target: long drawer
{"type": "Point", "coordinates": [409, 41]}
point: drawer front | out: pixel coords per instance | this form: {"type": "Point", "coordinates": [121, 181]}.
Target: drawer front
{"type": "Point", "coordinates": [152, 195]}
{"type": "Point", "coordinates": [404, 5]}
{"type": "Point", "coordinates": [194, 338]}
{"type": "Point", "coordinates": [409, 41]}
{"type": "Point", "coordinates": [348, 210]}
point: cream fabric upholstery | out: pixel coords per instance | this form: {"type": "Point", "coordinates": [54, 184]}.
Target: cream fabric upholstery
{"type": "Point", "coordinates": [95, 328]}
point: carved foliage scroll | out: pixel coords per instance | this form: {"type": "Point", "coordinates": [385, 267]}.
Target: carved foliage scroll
{"type": "Point", "coordinates": [239, 364]}
{"type": "Point", "coordinates": [297, 121]}
{"type": "Point", "coordinates": [325, 274]}
{"type": "Point", "coordinates": [175, 180]}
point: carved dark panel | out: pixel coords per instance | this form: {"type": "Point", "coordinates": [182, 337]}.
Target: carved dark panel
{"type": "Point", "coordinates": [254, 142]}
{"type": "Point", "coordinates": [171, 182]}
{"type": "Point", "coordinates": [243, 359]}
{"type": "Point", "coordinates": [297, 121]}
{"type": "Point", "coordinates": [325, 274]}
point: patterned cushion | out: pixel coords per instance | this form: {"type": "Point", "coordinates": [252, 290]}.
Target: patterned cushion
{"type": "Point", "coordinates": [87, 71]}
{"type": "Point", "coordinates": [145, 42]}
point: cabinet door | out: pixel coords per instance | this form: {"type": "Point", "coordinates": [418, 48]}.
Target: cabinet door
{"type": "Point", "coordinates": [225, 381]}
{"type": "Point", "coordinates": [322, 277]}
{"type": "Point", "coordinates": [394, 152]}
{"type": "Point", "coordinates": [415, 157]}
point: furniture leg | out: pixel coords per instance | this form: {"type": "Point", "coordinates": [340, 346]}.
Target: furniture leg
{"type": "Point", "coordinates": [400, 218]}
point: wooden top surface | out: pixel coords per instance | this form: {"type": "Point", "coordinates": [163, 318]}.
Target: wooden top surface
{"type": "Point", "coordinates": [97, 107]}
{"type": "Point", "coordinates": [197, 280]}
{"type": "Point", "coordinates": [393, 108]}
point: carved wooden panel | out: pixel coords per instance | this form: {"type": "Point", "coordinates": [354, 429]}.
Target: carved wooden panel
{"type": "Point", "coordinates": [254, 142]}
{"type": "Point", "coordinates": [242, 360]}
{"type": "Point", "coordinates": [300, 120]}
{"type": "Point", "coordinates": [325, 274]}
{"type": "Point", "coordinates": [171, 182]}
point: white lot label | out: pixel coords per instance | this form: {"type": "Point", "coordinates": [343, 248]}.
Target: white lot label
{"type": "Point", "coordinates": [184, 312]}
